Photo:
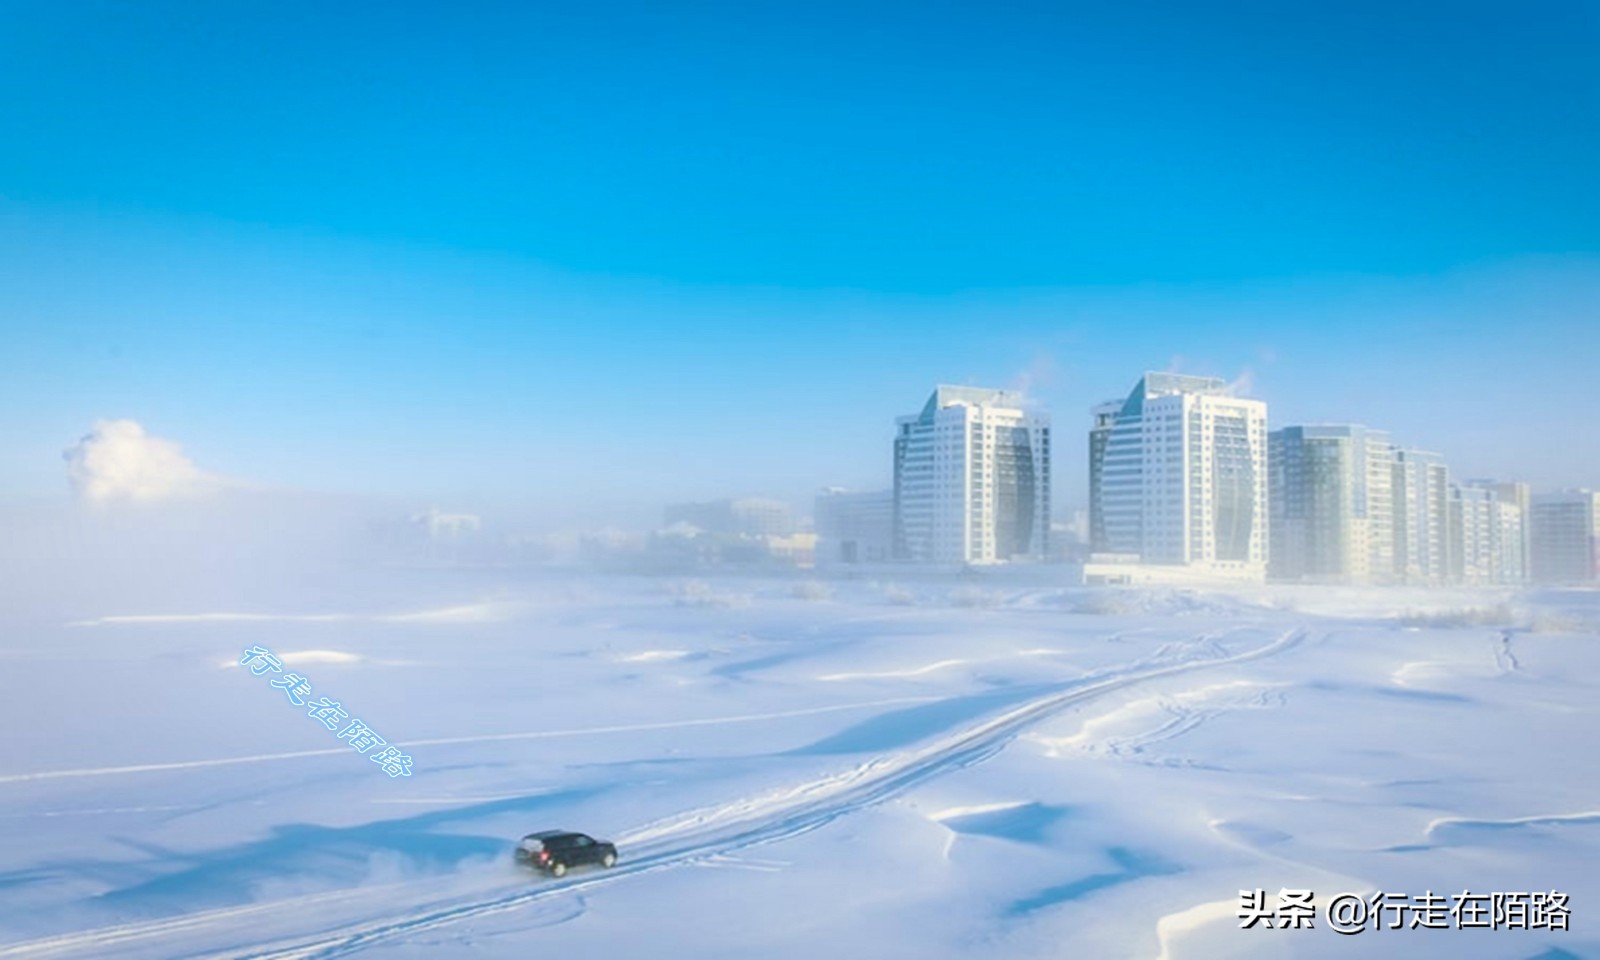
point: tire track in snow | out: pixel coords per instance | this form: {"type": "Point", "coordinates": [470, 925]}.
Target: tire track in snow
{"type": "Point", "coordinates": [446, 741]}
{"type": "Point", "coordinates": [780, 815]}
{"type": "Point", "coordinates": [1176, 714]}
{"type": "Point", "coordinates": [718, 831]}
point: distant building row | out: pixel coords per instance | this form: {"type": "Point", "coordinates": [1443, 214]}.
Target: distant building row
{"type": "Point", "coordinates": [1183, 474]}
{"type": "Point", "coordinates": [1186, 482]}
{"type": "Point", "coordinates": [1349, 506]}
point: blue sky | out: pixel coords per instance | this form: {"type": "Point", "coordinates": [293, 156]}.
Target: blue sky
{"type": "Point", "coordinates": [510, 253]}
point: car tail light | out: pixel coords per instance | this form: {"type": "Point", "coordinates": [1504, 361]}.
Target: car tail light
{"type": "Point", "coordinates": [544, 855]}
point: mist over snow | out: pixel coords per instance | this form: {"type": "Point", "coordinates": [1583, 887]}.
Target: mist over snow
{"type": "Point", "coordinates": [148, 532]}
{"type": "Point", "coordinates": [228, 548]}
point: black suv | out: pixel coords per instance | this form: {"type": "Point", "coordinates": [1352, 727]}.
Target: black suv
{"type": "Point", "coordinates": [555, 850]}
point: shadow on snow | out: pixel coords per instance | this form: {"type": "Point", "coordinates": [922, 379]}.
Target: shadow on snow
{"type": "Point", "coordinates": [325, 856]}
{"type": "Point", "coordinates": [1132, 865]}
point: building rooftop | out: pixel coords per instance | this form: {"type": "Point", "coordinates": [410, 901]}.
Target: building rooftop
{"type": "Point", "coordinates": [1154, 384]}
{"type": "Point", "coordinates": [1166, 384]}
{"type": "Point", "coordinates": [945, 395]}
{"type": "Point", "coordinates": [1326, 430]}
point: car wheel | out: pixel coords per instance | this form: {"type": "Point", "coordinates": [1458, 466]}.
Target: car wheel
{"type": "Point", "coordinates": [558, 869]}
{"type": "Point", "coordinates": [609, 860]}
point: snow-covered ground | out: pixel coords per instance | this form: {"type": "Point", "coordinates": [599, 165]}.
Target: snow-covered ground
{"type": "Point", "coordinates": [917, 769]}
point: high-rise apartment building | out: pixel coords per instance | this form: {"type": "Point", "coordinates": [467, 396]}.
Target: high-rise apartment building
{"type": "Point", "coordinates": [1485, 542]}
{"type": "Point", "coordinates": [1332, 506]}
{"type": "Point", "coordinates": [972, 479]}
{"type": "Point", "coordinates": [1566, 537]}
{"type": "Point", "coordinates": [1421, 517]}
{"type": "Point", "coordinates": [1178, 475]}
{"type": "Point", "coordinates": [1489, 532]}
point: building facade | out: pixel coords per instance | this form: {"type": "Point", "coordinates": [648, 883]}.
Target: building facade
{"type": "Point", "coordinates": [1485, 537]}
{"type": "Point", "coordinates": [1178, 476]}
{"type": "Point", "coordinates": [854, 527]}
{"type": "Point", "coordinates": [1517, 494]}
{"type": "Point", "coordinates": [1421, 517]}
{"type": "Point", "coordinates": [1489, 533]}
{"type": "Point", "coordinates": [1331, 500]}
{"type": "Point", "coordinates": [1566, 537]}
{"type": "Point", "coordinates": [972, 479]}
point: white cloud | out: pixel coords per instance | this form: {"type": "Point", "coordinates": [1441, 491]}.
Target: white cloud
{"type": "Point", "coordinates": [117, 460]}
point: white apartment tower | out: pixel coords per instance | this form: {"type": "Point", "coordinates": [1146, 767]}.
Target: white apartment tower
{"type": "Point", "coordinates": [1332, 504]}
{"type": "Point", "coordinates": [1178, 475]}
{"type": "Point", "coordinates": [1566, 537]}
{"type": "Point", "coordinates": [972, 479]}
{"type": "Point", "coordinates": [1489, 532]}
{"type": "Point", "coordinates": [1421, 517]}
{"type": "Point", "coordinates": [1485, 545]}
